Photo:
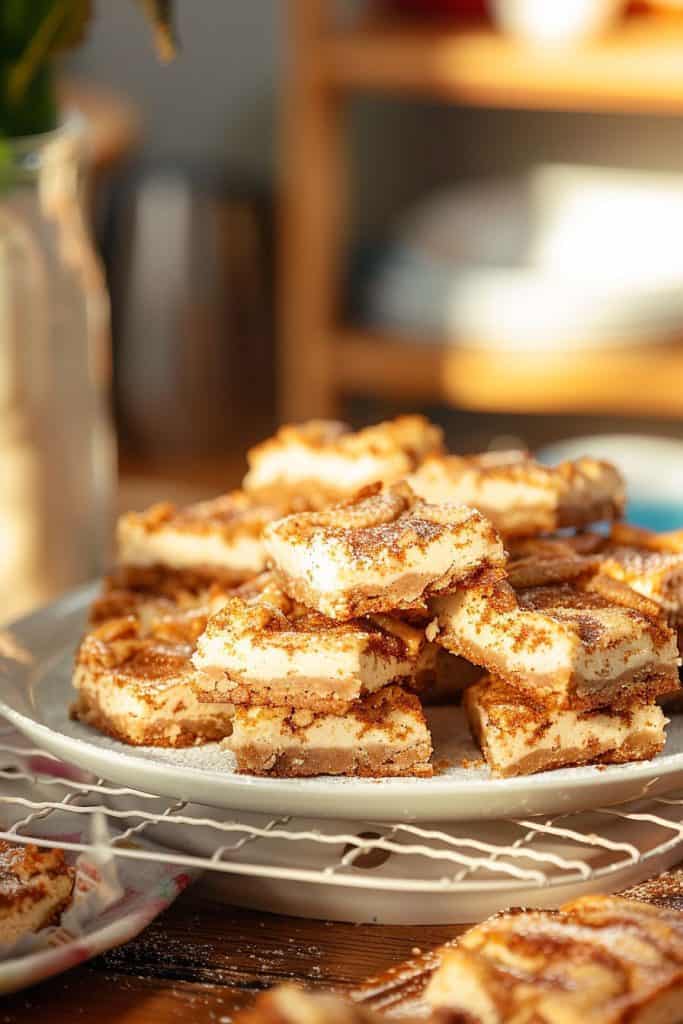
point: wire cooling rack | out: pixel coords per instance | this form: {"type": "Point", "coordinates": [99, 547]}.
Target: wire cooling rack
{"type": "Point", "coordinates": [398, 872]}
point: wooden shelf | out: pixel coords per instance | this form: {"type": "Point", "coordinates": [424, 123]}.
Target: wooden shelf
{"type": "Point", "coordinates": [638, 68]}
{"type": "Point", "coordinates": [642, 380]}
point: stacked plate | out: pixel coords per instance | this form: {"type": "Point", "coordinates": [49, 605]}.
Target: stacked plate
{"type": "Point", "coordinates": [562, 257]}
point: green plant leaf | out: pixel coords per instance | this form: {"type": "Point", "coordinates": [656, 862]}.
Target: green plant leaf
{"type": "Point", "coordinates": [63, 25]}
{"type": "Point", "coordinates": [31, 33]}
{"type": "Point", "coordinates": [19, 21]}
{"type": "Point", "coordinates": [37, 111]}
{"type": "Point", "coordinates": [6, 165]}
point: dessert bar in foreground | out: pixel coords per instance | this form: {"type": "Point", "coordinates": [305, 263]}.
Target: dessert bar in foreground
{"type": "Point", "coordinates": [264, 648]}
{"type": "Point", "coordinates": [384, 734]}
{"type": "Point", "coordinates": [520, 496]}
{"type": "Point", "coordinates": [134, 674]}
{"type": "Point", "coordinates": [323, 462]}
{"type": "Point", "coordinates": [35, 886]}
{"type": "Point", "coordinates": [518, 737]}
{"type": "Point", "coordinates": [288, 1004]}
{"type": "Point", "coordinates": [598, 960]}
{"type": "Point", "coordinates": [383, 552]}
{"type": "Point", "coordinates": [219, 539]}
{"type": "Point", "coordinates": [564, 643]}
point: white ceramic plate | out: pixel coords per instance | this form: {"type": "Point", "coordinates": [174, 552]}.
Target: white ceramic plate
{"type": "Point", "coordinates": [35, 693]}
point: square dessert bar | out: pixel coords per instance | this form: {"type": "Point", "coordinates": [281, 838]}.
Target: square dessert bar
{"type": "Point", "coordinates": [322, 462]}
{"type": "Point", "coordinates": [262, 647]}
{"type": "Point", "coordinates": [520, 496]}
{"type": "Point", "coordinates": [519, 737]}
{"type": "Point", "coordinates": [385, 734]}
{"type": "Point", "coordinates": [549, 630]}
{"type": "Point", "coordinates": [598, 960]}
{"type": "Point", "coordinates": [35, 886]}
{"type": "Point", "coordinates": [220, 539]}
{"type": "Point", "coordinates": [384, 551]}
{"type": "Point", "coordinates": [134, 674]}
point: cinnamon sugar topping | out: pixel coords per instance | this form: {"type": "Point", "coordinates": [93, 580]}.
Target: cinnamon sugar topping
{"type": "Point", "coordinates": [320, 462]}
{"type": "Point", "coordinates": [134, 674]}
{"type": "Point", "coordinates": [218, 539]}
{"type": "Point", "coordinates": [520, 496]}
{"type": "Point", "coordinates": [383, 551]}
{"type": "Point", "coordinates": [265, 647]}
{"type": "Point", "coordinates": [35, 885]}
{"type": "Point", "coordinates": [599, 958]}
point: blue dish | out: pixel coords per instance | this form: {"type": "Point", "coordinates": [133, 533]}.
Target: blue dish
{"type": "Point", "coordinates": [655, 515]}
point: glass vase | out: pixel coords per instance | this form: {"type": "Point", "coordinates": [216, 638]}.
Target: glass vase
{"type": "Point", "coordinates": [57, 451]}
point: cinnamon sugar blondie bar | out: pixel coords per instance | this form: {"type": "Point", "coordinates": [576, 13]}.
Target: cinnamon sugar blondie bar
{"type": "Point", "coordinates": [134, 674]}
{"type": "Point", "coordinates": [322, 462]}
{"type": "Point", "coordinates": [549, 630]}
{"type": "Point", "coordinates": [262, 647]}
{"type": "Point", "coordinates": [384, 734]}
{"type": "Point", "coordinates": [220, 539]}
{"type": "Point", "coordinates": [384, 551]}
{"type": "Point", "coordinates": [35, 886]}
{"type": "Point", "coordinates": [650, 563]}
{"type": "Point", "coordinates": [519, 736]}
{"type": "Point", "coordinates": [598, 960]}
{"type": "Point", "coordinates": [520, 496]}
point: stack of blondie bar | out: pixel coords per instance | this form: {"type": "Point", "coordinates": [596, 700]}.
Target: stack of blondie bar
{"type": "Point", "coordinates": [308, 617]}
{"type": "Point", "coordinates": [324, 663]}
{"type": "Point", "coordinates": [575, 660]}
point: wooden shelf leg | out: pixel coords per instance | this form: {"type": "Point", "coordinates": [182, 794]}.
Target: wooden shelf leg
{"type": "Point", "coordinates": [314, 178]}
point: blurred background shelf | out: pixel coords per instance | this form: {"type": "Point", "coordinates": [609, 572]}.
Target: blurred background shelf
{"type": "Point", "coordinates": [636, 68]}
{"type": "Point", "coordinates": [629, 381]}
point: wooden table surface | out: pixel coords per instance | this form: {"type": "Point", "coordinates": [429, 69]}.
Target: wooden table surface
{"type": "Point", "coordinates": [202, 960]}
